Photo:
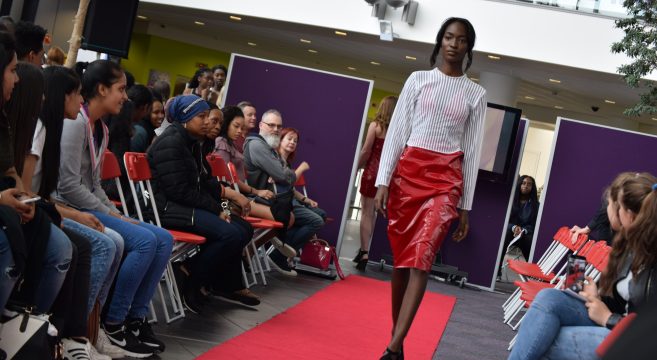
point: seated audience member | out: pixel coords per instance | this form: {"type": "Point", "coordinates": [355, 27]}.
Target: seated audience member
{"type": "Point", "coordinates": [250, 122]}
{"type": "Point", "coordinates": [559, 326]}
{"type": "Point", "coordinates": [201, 83]}
{"type": "Point", "coordinates": [523, 217]}
{"type": "Point", "coordinates": [219, 73]}
{"type": "Point", "coordinates": [49, 250]}
{"type": "Point", "coordinates": [189, 199]}
{"type": "Point", "coordinates": [264, 163]}
{"type": "Point", "coordinates": [224, 146]}
{"type": "Point", "coordinates": [288, 150]}
{"type": "Point", "coordinates": [216, 118]}
{"type": "Point", "coordinates": [7, 24]}
{"type": "Point", "coordinates": [144, 129]}
{"type": "Point", "coordinates": [147, 247]}
{"type": "Point", "coordinates": [55, 57]}
{"type": "Point", "coordinates": [29, 42]}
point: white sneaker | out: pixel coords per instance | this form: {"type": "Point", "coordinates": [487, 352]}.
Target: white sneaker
{"type": "Point", "coordinates": [105, 347]}
{"type": "Point", "coordinates": [76, 350]}
{"type": "Point", "coordinates": [285, 249]}
{"type": "Point", "coordinates": [283, 268]}
{"type": "Point", "coordinates": [95, 355]}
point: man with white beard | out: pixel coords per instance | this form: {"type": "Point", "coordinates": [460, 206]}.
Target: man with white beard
{"type": "Point", "coordinates": [264, 169]}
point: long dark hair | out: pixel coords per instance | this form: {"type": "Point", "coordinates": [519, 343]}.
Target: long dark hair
{"type": "Point", "coordinates": [533, 195]}
{"type": "Point", "coordinates": [7, 52]}
{"type": "Point", "coordinates": [60, 81]}
{"type": "Point", "coordinates": [23, 110]}
{"type": "Point", "coordinates": [193, 83]}
{"type": "Point", "coordinates": [230, 113]}
{"type": "Point", "coordinates": [99, 72]}
{"type": "Point", "coordinates": [470, 34]}
{"type": "Point", "coordinates": [637, 193]}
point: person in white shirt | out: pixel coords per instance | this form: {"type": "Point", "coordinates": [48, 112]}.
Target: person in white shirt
{"type": "Point", "coordinates": [429, 168]}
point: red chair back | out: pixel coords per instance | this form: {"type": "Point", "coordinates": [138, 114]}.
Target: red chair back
{"type": "Point", "coordinates": [218, 166]}
{"type": "Point", "coordinates": [609, 340]}
{"type": "Point", "coordinates": [232, 172]}
{"type": "Point", "coordinates": [110, 166]}
{"type": "Point", "coordinates": [137, 167]}
{"type": "Point", "coordinates": [301, 181]}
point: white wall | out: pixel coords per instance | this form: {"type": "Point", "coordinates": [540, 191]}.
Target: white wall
{"type": "Point", "coordinates": [506, 28]}
{"type": "Point", "coordinates": [534, 161]}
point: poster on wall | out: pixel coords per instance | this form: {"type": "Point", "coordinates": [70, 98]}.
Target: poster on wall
{"type": "Point", "coordinates": [157, 75]}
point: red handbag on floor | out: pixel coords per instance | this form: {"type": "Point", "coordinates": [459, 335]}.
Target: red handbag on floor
{"type": "Point", "coordinates": [318, 254]}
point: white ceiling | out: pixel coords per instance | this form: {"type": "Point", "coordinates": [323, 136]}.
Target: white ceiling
{"type": "Point", "coordinates": [578, 91]}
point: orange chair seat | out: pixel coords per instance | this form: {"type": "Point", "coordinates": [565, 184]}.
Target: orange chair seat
{"type": "Point", "coordinates": [529, 270]}
{"type": "Point", "coordinates": [187, 237]}
{"type": "Point", "coordinates": [117, 203]}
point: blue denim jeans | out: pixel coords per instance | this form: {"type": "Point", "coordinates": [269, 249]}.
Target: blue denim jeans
{"type": "Point", "coordinates": [147, 248]}
{"type": "Point", "coordinates": [8, 276]}
{"type": "Point", "coordinates": [114, 267]}
{"type": "Point", "coordinates": [56, 262]}
{"type": "Point", "coordinates": [103, 250]}
{"type": "Point", "coordinates": [557, 326]}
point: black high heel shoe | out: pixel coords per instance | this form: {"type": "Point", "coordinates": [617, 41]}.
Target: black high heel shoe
{"type": "Point", "coordinates": [391, 355]}
{"type": "Point", "coordinates": [362, 264]}
{"type": "Point", "coordinates": [359, 256]}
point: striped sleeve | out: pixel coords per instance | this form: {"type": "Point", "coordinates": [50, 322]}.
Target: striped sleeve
{"type": "Point", "coordinates": [471, 144]}
{"type": "Point", "coordinates": [398, 132]}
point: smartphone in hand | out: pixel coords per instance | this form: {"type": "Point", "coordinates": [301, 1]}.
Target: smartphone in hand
{"type": "Point", "coordinates": [25, 199]}
{"type": "Point", "coordinates": [575, 276]}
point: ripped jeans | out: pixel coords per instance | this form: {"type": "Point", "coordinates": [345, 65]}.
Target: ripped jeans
{"type": "Point", "coordinates": [9, 275]}
{"type": "Point", "coordinates": [56, 262]}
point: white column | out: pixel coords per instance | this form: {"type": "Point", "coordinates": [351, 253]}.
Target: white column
{"type": "Point", "coordinates": [500, 89]}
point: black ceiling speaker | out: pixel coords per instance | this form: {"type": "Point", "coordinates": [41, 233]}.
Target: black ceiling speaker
{"type": "Point", "coordinates": [108, 27]}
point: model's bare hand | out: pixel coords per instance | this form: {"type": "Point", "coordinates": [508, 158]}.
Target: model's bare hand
{"type": "Point", "coordinates": [464, 226]}
{"type": "Point", "coordinates": [381, 201]}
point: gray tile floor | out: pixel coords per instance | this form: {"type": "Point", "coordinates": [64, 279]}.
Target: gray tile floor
{"type": "Point", "coordinates": [475, 329]}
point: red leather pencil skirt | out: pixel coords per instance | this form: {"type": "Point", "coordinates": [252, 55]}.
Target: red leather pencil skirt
{"type": "Point", "coordinates": [424, 192]}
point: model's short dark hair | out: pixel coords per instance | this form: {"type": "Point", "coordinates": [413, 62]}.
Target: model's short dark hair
{"type": "Point", "coordinates": [29, 37]}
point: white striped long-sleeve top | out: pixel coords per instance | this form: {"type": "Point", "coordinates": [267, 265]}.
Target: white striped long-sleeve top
{"type": "Point", "coordinates": [440, 113]}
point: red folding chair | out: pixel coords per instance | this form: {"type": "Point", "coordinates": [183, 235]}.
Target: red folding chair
{"type": "Point", "coordinates": [228, 174]}
{"type": "Point", "coordinates": [185, 243]}
{"type": "Point", "coordinates": [623, 324]}
{"type": "Point", "coordinates": [110, 170]}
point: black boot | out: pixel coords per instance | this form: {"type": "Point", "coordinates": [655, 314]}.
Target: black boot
{"type": "Point", "coordinates": [359, 256]}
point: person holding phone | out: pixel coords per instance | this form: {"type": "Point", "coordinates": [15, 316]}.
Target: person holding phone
{"type": "Point", "coordinates": [428, 168]}
{"type": "Point", "coordinates": [558, 326]}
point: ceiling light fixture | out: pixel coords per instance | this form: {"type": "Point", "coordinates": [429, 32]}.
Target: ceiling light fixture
{"type": "Point", "coordinates": [354, 69]}
{"type": "Point", "coordinates": [474, 79]}
{"type": "Point", "coordinates": [305, 41]}
{"type": "Point", "coordinates": [530, 98]}
{"type": "Point", "coordinates": [555, 81]}
{"type": "Point", "coordinates": [493, 57]}
{"type": "Point", "coordinates": [610, 101]}
{"type": "Point", "coordinates": [252, 44]}
{"type": "Point", "coordinates": [142, 17]}
{"type": "Point", "coordinates": [375, 63]}
{"type": "Point", "coordinates": [341, 33]}
{"type": "Point", "coordinates": [199, 23]}
{"type": "Point", "coordinates": [312, 51]}
{"type": "Point", "coordinates": [410, 57]}
{"type": "Point", "coordinates": [558, 107]}
{"type": "Point", "coordinates": [236, 18]}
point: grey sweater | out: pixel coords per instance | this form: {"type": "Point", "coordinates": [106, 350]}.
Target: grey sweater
{"type": "Point", "coordinates": [262, 162]}
{"type": "Point", "coordinates": [79, 179]}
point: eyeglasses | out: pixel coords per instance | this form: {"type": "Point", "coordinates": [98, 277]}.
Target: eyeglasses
{"type": "Point", "coordinates": [273, 126]}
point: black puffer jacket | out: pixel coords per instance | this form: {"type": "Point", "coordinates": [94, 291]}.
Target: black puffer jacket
{"type": "Point", "coordinates": [179, 180]}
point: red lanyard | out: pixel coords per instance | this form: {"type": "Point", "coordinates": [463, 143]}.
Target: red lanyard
{"type": "Point", "coordinates": [95, 158]}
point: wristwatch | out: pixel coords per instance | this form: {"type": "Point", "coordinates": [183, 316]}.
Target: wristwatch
{"type": "Point", "coordinates": [613, 320]}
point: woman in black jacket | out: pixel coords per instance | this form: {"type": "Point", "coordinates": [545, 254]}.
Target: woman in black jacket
{"type": "Point", "coordinates": [523, 216]}
{"type": "Point", "coordinates": [559, 326]}
{"type": "Point", "coordinates": [189, 199]}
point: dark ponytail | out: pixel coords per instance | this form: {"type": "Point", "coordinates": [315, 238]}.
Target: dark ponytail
{"type": "Point", "coordinates": [469, 33]}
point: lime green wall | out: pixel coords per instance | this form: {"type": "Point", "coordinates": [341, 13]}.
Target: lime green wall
{"type": "Point", "coordinates": [375, 100]}
{"type": "Point", "coordinates": [176, 58]}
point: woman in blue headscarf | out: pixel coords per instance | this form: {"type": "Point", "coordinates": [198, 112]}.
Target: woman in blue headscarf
{"type": "Point", "coordinates": [189, 199]}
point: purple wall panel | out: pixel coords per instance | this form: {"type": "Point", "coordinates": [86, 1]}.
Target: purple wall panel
{"type": "Point", "coordinates": [327, 109]}
{"type": "Point", "coordinates": [586, 159]}
{"type": "Point", "coordinates": [476, 254]}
